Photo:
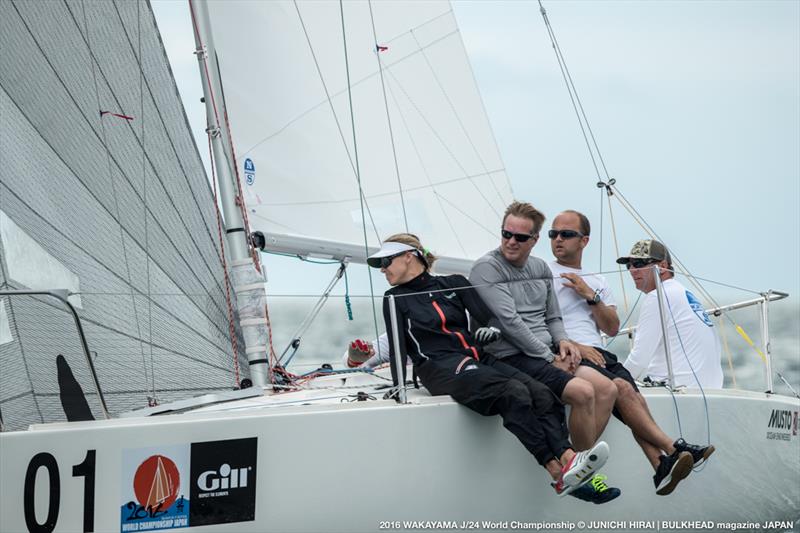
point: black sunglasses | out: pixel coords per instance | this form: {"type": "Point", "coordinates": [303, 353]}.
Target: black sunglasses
{"type": "Point", "coordinates": [519, 237]}
{"type": "Point", "coordinates": [640, 263]}
{"type": "Point", "coordinates": [386, 261]}
{"type": "Point", "coordinates": [565, 233]}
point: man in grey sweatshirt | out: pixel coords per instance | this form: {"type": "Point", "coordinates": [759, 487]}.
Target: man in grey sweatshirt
{"type": "Point", "coordinates": [518, 288]}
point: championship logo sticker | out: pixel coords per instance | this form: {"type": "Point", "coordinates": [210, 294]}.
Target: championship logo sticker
{"type": "Point", "coordinates": [223, 486]}
{"type": "Point", "coordinates": [155, 488]}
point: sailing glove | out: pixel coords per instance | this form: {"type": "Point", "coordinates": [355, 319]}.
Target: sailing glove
{"type": "Point", "coordinates": [486, 335]}
{"type": "Point", "coordinates": [358, 352]}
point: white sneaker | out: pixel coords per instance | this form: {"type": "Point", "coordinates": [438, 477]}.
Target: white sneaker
{"type": "Point", "coordinates": [581, 468]}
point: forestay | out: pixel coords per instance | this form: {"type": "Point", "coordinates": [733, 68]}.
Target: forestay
{"type": "Point", "coordinates": [432, 159]}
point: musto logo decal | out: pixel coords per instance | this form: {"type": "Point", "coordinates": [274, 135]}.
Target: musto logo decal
{"type": "Point", "coordinates": [782, 425]}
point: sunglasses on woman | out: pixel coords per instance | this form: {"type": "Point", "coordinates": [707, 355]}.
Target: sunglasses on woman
{"type": "Point", "coordinates": [519, 237]}
{"type": "Point", "coordinates": [386, 261]}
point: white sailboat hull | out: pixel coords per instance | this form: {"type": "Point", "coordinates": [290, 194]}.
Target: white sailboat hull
{"type": "Point", "coordinates": [377, 465]}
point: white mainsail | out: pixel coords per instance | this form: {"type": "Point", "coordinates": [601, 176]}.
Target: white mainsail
{"type": "Point", "coordinates": [425, 150]}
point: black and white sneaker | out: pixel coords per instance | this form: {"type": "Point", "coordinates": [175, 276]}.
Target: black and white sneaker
{"type": "Point", "coordinates": [671, 470]}
{"type": "Point", "coordinates": [596, 491]}
{"type": "Point", "coordinates": [699, 453]}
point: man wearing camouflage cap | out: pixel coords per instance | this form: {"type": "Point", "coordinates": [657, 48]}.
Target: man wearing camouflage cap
{"type": "Point", "coordinates": [693, 343]}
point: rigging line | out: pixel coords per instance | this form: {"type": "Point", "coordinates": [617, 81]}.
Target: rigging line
{"type": "Point", "coordinates": [640, 219]}
{"type": "Point", "coordinates": [357, 168]}
{"type": "Point", "coordinates": [625, 322]}
{"type": "Point", "coordinates": [458, 119]}
{"type": "Point", "coordinates": [144, 195]}
{"type": "Point", "coordinates": [560, 54]}
{"type": "Point", "coordinates": [420, 25]}
{"type": "Point", "coordinates": [231, 326]}
{"type": "Point", "coordinates": [602, 210]}
{"type": "Point", "coordinates": [441, 141]}
{"type": "Point", "coordinates": [353, 164]}
{"type": "Point", "coordinates": [383, 194]}
{"type": "Point", "coordinates": [388, 116]}
{"type": "Point", "coordinates": [694, 374]}
{"type": "Point", "coordinates": [290, 229]}
{"type": "Point", "coordinates": [721, 324]}
{"type": "Point", "coordinates": [68, 238]}
{"type": "Point", "coordinates": [22, 352]}
{"type": "Point", "coordinates": [77, 175]}
{"type": "Point", "coordinates": [454, 206]}
{"type": "Point", "coordinates": [572, 97]}
{"type": "Point", "coordinates": [178, 160]}
{"type": "Point", "coordinates": [112, 179]}
{"type": "Point", "coordinates": [486, 114]}
{"type": "Point", "coordinates": [106, 327]}
{"type": "Point", "coordinates": [330, 97]}
{"type": "Point", "coordinates": [427, 174]}
{"type": "Point", "coordinates": [616, 249]}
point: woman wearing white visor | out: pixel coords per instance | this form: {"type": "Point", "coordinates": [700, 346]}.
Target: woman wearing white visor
{"type": "Point", "coordinates": [448, 358]}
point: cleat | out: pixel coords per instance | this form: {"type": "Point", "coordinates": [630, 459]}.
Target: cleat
{"type": "Point", "coordinates": [581, 468]}
{"type": "Point", "coordinates": [596, 491]}
{"type": "Point", "coordinates": [672, 469]}
{"type": "Point", "coordinates": [699, 453]}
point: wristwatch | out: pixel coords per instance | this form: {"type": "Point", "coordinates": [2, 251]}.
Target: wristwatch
{"type": "Point", "coordinates": [594, 300]}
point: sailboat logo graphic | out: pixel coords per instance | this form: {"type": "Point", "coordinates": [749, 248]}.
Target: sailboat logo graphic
{"type": "Point", "coordinates": [156, 482]}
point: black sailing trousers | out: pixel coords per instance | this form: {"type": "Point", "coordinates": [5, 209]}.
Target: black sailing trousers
{"type": "Point", "coordinates": [489, 387]}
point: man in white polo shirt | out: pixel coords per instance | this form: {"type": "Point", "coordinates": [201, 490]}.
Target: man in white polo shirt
{"type": "Point", "coordinates": [587, 308]}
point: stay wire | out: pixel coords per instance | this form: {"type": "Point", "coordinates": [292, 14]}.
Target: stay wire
{"type": "Point", "coordinates": [427, 173]}
{"type": "Point", "coordinates": [439, 138]}
{"type": "Point", "coordinates": [573, 95]}
{"type": "Point", "coordinates": [353, 164]}
{"type": "Point", "coordinates": [357, 168]}
{"type": "Point", "coordinates": [388, 116]}
{"type": "Point", "coordinates": [694, 374]}
{"type": "Point", "coordinates": [457, 116]}
{"type": "Point", "coordinates": [144, 196]}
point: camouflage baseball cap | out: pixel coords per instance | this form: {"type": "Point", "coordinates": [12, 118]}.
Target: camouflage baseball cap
{"type": "Point", "coordinates": [646, 249]}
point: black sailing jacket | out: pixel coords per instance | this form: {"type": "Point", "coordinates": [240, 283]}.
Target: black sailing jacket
{"type": "Point", "coordinates": [433, 323]}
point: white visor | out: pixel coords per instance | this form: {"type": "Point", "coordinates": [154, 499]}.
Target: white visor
{"type": "Point", "coordinates": [389, 249]}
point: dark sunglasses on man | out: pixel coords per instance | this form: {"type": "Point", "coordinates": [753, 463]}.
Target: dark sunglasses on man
{"type": "Point", "coordinates": [565, 233]}
{"type": "Point", "coordinates": [640, 263]}
{"type": "Point", "coordinates": [519, 237]}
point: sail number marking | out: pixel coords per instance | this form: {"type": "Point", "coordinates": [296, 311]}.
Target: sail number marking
{"type": "Point", "coordinates": [85, 469]}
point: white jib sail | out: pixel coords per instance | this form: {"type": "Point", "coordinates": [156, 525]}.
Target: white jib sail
{"type": "Point", "coordinates": [431, 160]}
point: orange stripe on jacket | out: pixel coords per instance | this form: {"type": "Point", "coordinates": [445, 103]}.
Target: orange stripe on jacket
{"type": "Point", "coordinates": [456, 333]}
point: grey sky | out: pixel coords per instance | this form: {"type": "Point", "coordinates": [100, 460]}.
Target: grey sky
{"type": "Point", "coordinates": [695, 106]}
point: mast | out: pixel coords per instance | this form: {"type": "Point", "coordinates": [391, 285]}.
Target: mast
{"type": "Point", "coordinates": [247, 280]}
